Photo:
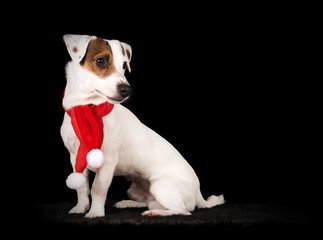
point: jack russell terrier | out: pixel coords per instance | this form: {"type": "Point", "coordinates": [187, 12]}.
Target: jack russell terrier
{"type": "Point", "coordinates": [103, 136]}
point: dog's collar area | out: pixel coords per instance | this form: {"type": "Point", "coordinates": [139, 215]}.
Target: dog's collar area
{"type": "Point", "coordinates": [102, 109]}
{"type": "Point", "coordinates": [98, 110]}
{"type": "Point", "coordinates": [88, 126]}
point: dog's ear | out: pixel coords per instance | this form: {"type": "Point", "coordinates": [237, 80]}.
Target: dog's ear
{"type": "Point", "coordinates": [128, 54]}
{"type": "Point", "coordinates": [77, 45]}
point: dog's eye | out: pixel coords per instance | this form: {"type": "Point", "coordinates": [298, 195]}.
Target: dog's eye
{"type": "Point", "coordinates": [102, 62]}
{"type": "Point", "coordinates": [124, 65]}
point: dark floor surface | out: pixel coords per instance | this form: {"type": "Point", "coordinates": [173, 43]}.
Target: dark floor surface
{"type": "Point", "coordinates": [258, 220]}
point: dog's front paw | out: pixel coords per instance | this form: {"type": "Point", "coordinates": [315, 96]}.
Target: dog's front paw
{"type": "Point", "coordinates": [95, 211]}
{"type": "Point", "coordinates": [79, 208]}
{"type": "Point", "coordinates": [94, 214]}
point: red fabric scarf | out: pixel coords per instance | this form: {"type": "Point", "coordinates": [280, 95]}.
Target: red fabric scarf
{"type": "Point", "coordinates": [88, 126]}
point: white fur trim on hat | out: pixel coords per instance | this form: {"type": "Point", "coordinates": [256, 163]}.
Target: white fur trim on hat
{"type": "Point", "coordinates": [95, 158]}
{"type": "Point", "coordinates": [75, 180]}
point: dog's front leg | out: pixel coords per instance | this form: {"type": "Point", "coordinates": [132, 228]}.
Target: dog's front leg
{"type": "Point", "coordinates": [100, 187]}
{"type": "Point", "coordinates": [83, 202]}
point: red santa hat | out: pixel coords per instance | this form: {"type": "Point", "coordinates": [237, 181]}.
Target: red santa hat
{"type": "Point", "coordinates": [88, 126]}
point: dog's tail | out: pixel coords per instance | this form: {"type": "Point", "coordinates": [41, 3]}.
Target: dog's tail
{"type": "Point", "coordinates": [211, 201]}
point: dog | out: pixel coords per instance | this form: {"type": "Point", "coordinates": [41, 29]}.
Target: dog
{"type": "Point", "coordinates": [162, 181]}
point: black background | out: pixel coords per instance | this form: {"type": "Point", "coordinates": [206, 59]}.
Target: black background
{"type": "Point", "coordinates": [226, 85]}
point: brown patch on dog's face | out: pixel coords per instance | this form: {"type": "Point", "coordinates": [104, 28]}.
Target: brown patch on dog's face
{"type": "Point", "coordinates": [98, 58]}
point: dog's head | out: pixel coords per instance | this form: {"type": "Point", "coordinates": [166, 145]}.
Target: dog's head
{"type": "Point", "coordinates": [97, 69]}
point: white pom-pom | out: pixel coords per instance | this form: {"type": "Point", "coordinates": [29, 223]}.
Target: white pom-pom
{"type": "Point", "coordinates": [75, 180]}
{"type": "Point", "coordinates": [95, 158]}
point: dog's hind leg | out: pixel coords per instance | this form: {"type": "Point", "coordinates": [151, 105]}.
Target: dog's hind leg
{"type": "Point", "coordinates": [130, 204]}
{"type": "Point", "coordinates": [139, 192]}
{"type": "Point", "coordinates": [168, 200]}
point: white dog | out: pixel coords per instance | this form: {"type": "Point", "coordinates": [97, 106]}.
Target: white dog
{"type": "Point", "coordinates": [161, 179]}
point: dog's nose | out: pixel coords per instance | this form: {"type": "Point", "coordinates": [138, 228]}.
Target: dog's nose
{"type": "Point", "coordinates": [124, 90]}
